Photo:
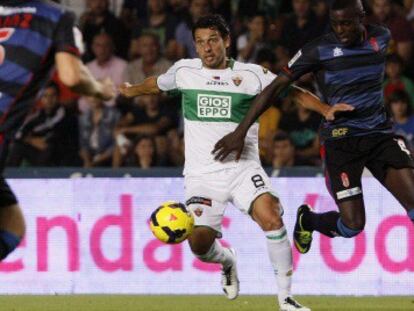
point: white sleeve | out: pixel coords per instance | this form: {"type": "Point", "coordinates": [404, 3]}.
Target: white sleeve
{"type": "Point", "coordinates": [167, 81]}
{"type": "Point", "coordinates": [266, 76]}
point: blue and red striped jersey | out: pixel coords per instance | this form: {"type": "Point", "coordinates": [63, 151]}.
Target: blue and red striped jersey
{"type": "Point", "coordinates": [31, 33]}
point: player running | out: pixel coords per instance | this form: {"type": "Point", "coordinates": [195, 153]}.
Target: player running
{"type": "Point", "coordinates": [216, 94]}
{"type": "Point", "coordinates": [33, 36]}
{"type": "Point", "coordinates": [349, 67]}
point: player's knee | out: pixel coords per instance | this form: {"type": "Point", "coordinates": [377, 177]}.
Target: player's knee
{"type": "Point", "coordinates": [350, 229]}
{"type": "Point", "coordinates": [267, 212]}
{"type": "Point", "coordinates": [200, 243]}
{"type": "Point", "coordinates": [200, 248]}
{"type": "Point", "coordinates": [272, 223]}
{"type": "Point", "coordinates": [8, 243]}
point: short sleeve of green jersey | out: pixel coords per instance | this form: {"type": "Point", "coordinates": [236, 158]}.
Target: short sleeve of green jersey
{"type": "Point", "coordinates": [167, 81]}
{"type": "Point", "coordinates": [265, 76]}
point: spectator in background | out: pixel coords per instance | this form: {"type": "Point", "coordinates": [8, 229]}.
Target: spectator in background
{"type": "Point", "coordinates": [222, 7]}
{"type": "Point", "coordinates": [37, 140]}
{"type": "Point", "coordinates": [395, 80]}
{"type": "Point", "coordinates": [160, 23]}
{"type": "Point", "coordinates": [96, 128]}
{"type": "Point", "coordinates": [302, 125]}
{"type": "Point", "coordinates": [143, 153]}
{"type": "Point", "coordinates": [67, 150]}
{"type": "Point", "coordinates": [151, 62]}
{"type": "Point", "coordinates": [145, 117]}
{"type": "Point", "coordinates": [134, 51]}
{"type": "Point", "coordinates": [246, 7]}
{"type": "Point", "coordinates": [282, 57]}
{"type": "Point", "coordinates": [250, 43]}
{"type": "Point", "coordinates": [300, 27]}
{"type": "Point", "coordinates": [284, 153]}
{"type": "Point", "coordinates": [183, 34]}
{"type": "Point", "coordinates": [98, 19]}
{"type": "Point", "coordinates": [105, 64]}
{"type": "Point", "coordinates": [269, 120]}
{"type": "Point", "coordinates": [132, 12]}
{"type": "Point", "coordinates": [409, 11]}
{"type": "Point", "coordinates": [408, 7]}
{"type": "Point", "coordinates": [179, 8]}
{"type": "Point", "coordinates": [321, 10]}
{"type": "Point", "coordinates": [401, 31]}
{"type": "Point", "coordinates": [175, 141]}
{"type": "Point", "coordinates": [138, 7]}
{"type": "Point", "coordinates": [401, 113]}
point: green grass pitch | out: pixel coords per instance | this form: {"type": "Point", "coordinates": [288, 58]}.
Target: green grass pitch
{"type": "Point", "coordinates": [196, 303]}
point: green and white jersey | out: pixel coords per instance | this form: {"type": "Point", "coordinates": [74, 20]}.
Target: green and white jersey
{"type": "Point", "coordinates": [213, 103]}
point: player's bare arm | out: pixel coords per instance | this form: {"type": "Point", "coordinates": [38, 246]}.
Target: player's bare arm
{"type": "Point", "coordinates": [75, 75]}
{"type": "Point", "coordinates": [147, 87]}
{"type": "Point", "coordinates": [312, 102]}
{"type": "Point", "coordinates": [235, 140]}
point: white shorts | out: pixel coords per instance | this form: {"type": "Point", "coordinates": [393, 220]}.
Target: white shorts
{"type": "Point", "coordinates": [207, 195]}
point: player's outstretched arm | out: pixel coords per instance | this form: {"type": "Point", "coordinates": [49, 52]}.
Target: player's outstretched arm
{"type": "Point", "coordinates": [75, 75]}
{"type": "Point", "coordinates": [235, 140]}
{"type": "Point", "coordinates": [312, 102]}
{"type": "Point", "coordinates": [147, 87]}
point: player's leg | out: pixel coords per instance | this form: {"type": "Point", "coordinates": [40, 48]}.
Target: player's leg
{"type": "Point", "coordinates": [266, 212]}
{"type": "Point", "coordinates": [12, 226]}
{"type": "Point", "coordinates": [348, 222]}
{"type": "Point", "coordinates": [393, 166]}
{"type": "Point", "coordinates": [400, 182]}
{"type": "Point", "coordinates": [344, 164]}
{"type": "Point", "coordinates": [205, 247]}
{"type": "Point", "coordinates": [208, 215]}
{"type": "Point", "coordinates": [254, 195]}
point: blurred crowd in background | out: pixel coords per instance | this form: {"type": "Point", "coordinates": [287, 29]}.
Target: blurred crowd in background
{"type": "Point", "coordinates": [130, 40]}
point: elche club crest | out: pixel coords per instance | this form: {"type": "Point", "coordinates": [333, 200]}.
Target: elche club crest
{"type": "Point", "coordinates": [345, 180]}
{"type": "Point", "coordinates": [198, 211]}
{"type": "Point", "coordinates": [374, 44]}
{"type": "Point", "coordinates": [5, 34]}
{"type": "Point", "coordinates": [237, 80]}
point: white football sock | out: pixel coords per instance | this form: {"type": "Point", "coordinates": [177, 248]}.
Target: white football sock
{"type": "Point", "coordinates": [218, 254]}
{"type": "Point", "coordinates": [280, 254]}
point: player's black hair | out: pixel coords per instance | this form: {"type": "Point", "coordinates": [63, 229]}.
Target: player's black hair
{"type": "Point", "coordinates": [213, 21]}
{"type": "Point", "coordinates": [347, 4]}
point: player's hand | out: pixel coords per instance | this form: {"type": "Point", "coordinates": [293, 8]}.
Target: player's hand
{"type": "Point", "coordinates": [108, 90]}
{"type": "Point", "coordinates": [229, 143]}
{"type": "Point", "coordinates": [337, 108]}
{"type": "Point", "coordinates": [126, 89]}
